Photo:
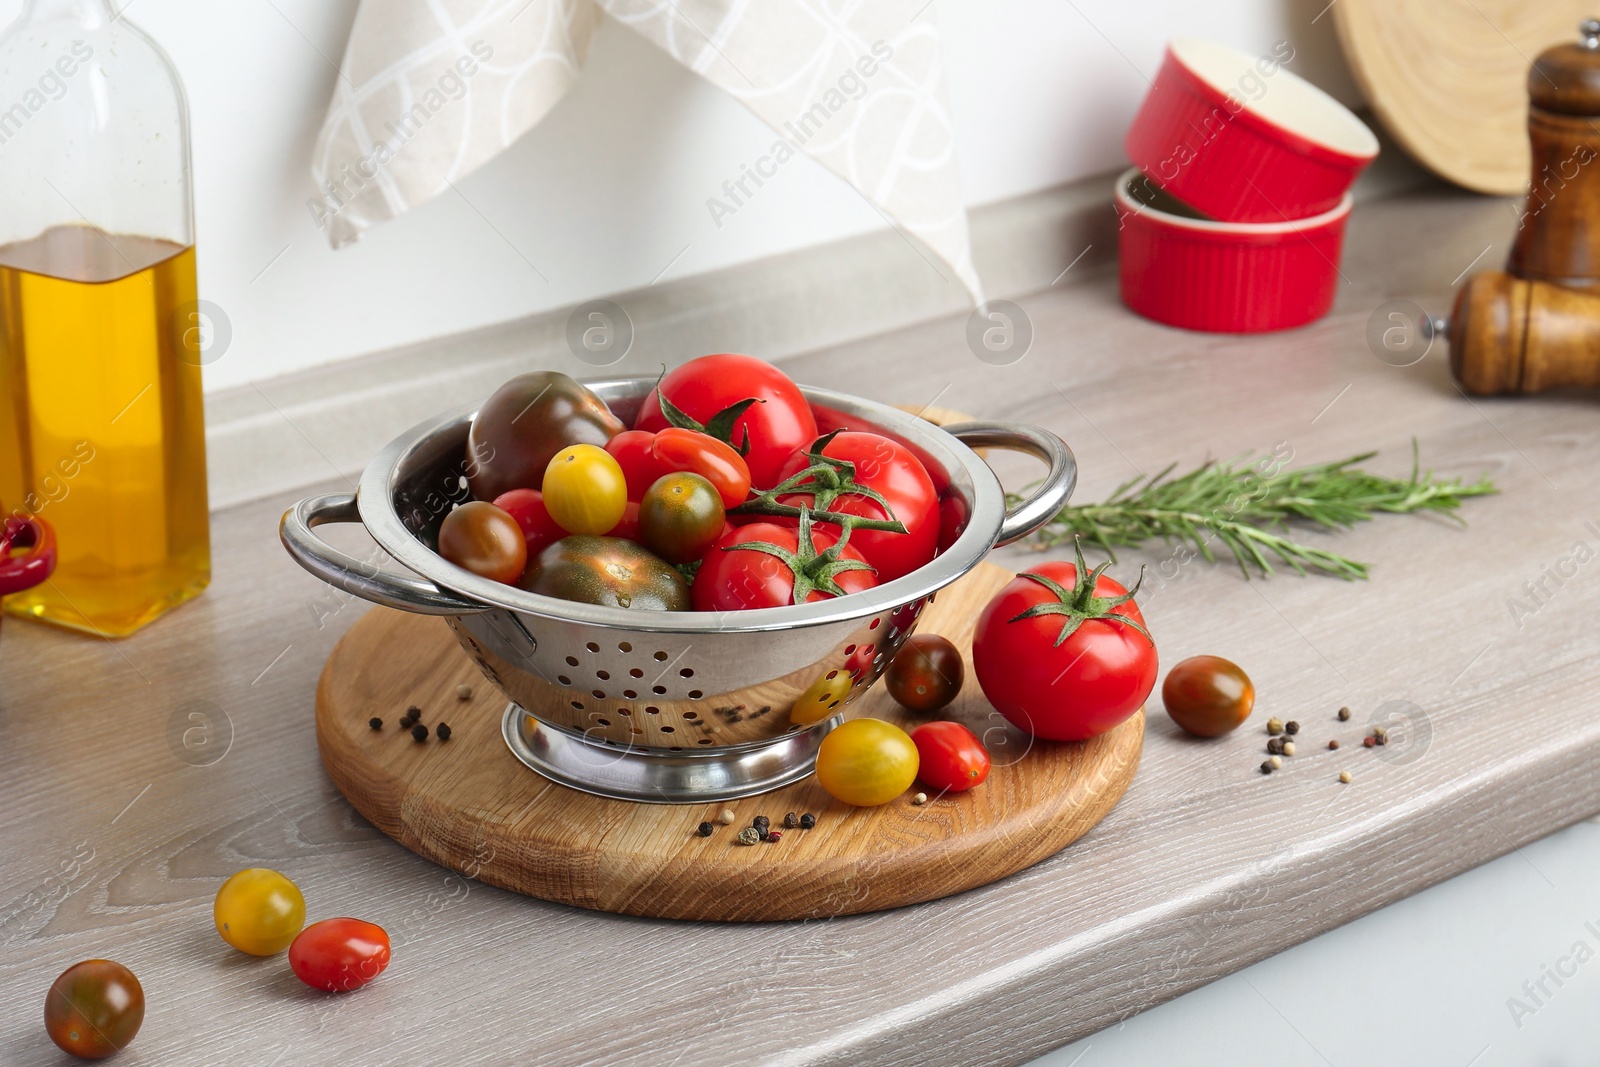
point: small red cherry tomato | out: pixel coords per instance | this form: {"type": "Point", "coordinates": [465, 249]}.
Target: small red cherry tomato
{"type": "Point", "coordinates": [338, 955]}
{"type": "Point", "coordinates": [951, 756]}
{"type": "Point", "coordinates": [94, 1009]}
{"type": "Point", "coordinates": [715, 461]}
{"type": "Point", "coordinates": [527, 507]}
{"type": "Point", "coordinates": [627, 527]}
{"type": "Point", "coordinates": [631, 450]}
{"type": "Point", "coordinates": [735, 578]}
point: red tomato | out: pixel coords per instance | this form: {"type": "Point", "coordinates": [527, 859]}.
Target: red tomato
{"type": "Point", "coordinates": [733, 578]}
{"type": "Point", "coordinates": [890, 470]}
{"type": "Point", "coordinates": [1055, 684]}
{"type": "Point", "coordinates": [779, 423]}
{"type": "Point", "coordinates": [631, 449]}
{"type": "Point", "coordinates": [715, 461]}
{"type": "Point", "coordinates": [951, 756]}
{"type": "Point", "coordinates": [527, 507]}
{"type": "Point", "coordinates": [339, 954]}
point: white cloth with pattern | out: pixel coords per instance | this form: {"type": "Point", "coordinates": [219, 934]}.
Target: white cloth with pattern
{"type": "Point", "coordinates": [430, 90]}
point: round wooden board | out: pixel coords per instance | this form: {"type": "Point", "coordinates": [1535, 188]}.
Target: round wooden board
{"type": "Point", "coordinates": [468, 804]}
{"type": "Point", "coordinates": [1448, 78]}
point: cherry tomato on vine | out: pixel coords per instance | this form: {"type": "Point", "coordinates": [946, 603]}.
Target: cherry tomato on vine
{"type": "Point", "coordinates": [866, 762]}
{"type": "Point", "coordinates": [94, 1009]}
{"type": "Point", "coordinates": [736, 576]}
{"type": "Point", "coordinates": [485, 540]}
{"type": "Point", "coordinates": [585, 490]}
{"type": "Point", "coordinates": [527, 507]}
{"type": "Point", "coordinates": [1208, 696]}
{"type": "Point", "coordinates": [951, 758]}
{"type": "Point", "coordinates": [713, 460]}
{"type": "Point", "coordinates": [259, 911]}
{"type": "Point", "coordinates": [926, 674]}
{"type": "Point", "coordinates": [767, 432]}
{"type": "Point", "coordinates": [338, 955]}
{"type": "Point", "coordinates": [1063, 653]}
{"type": "Point", "coordinates": [890, 470]}
{"type": "Point", "coordinates": [631, 450]}
{"type": "Point", "coordinates": [680, 517]}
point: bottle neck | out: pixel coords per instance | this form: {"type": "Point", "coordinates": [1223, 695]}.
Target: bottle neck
{"type": "Point", "coordinates": [83, 12]}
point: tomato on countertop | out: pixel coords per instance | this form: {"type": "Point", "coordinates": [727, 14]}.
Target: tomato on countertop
{"type": "Point", "coordinates": [1063, 653]}
{"type": "Point", "coordinates": [1208, 696]}
{"type": "Point", "coordinates": [259, 911]}
{"type": "Point", "coordinates": [94, 1009]}
{"type": "Point", "coordinates": [338, 955]}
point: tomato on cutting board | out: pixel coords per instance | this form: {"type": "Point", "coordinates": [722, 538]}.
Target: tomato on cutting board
{"type": "Point", "coordinates": [926, 674]}
{"type": "Point", "coordinates": [951, 758]}
{"type": "Point", "coordinates": [1063, 653]}
{"type": "Point", "coordinates": [866, 762]}
{"type": "Point", "coordinates": [710, 393]}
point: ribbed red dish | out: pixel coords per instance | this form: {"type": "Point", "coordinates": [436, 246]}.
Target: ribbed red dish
{"type": "Point", "coordinates": [1224, 277]}
{"type": "Point", "coordinates": [1241, 139]}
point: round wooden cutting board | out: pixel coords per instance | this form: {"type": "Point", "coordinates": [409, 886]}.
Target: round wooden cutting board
{"type": "Point", "coordinates": [1448, 78]}
{"type": "Point", "coordinates": [467, 803]}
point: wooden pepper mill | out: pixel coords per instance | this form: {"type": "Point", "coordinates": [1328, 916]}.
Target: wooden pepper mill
{"type": "Point", "coordinates": [1511, 335]}
{"type": "Point", "coordinates": [1537, 326]}
{"type": "Point", "coordinates": [1558, 236]}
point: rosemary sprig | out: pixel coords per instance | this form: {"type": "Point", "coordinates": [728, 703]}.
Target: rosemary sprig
{"type": "Point", "coordinates": [1247, 505]}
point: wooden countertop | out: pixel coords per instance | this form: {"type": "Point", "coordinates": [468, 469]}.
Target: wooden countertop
{"type": "Point", "coordinates": [115, 840]}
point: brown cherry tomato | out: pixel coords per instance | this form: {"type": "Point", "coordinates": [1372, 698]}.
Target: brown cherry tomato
{"type": "Point", "coordinates": [525, 423]}
{"type": "Point", "coordinates": [607, 571]}
{"type": "Point", "coordinates": [94, 1009]}
{"type": "Point", "coordinates": [926, 674]}
{"type": "Point", "coordinates": [485, 540]}
{"type": "Point", "coordinates": [1208, 696]}
{"type": "Point", "coordinates": [681, 516]}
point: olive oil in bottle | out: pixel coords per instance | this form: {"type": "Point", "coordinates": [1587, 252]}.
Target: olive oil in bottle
{"type": "Point", "coordinates": [101, 397]}
{"type": "Point", "coordinates": [102, 429]}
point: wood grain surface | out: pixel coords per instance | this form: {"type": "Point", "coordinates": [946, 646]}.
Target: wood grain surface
{"type": "Point", "coordinates": [459, 800]}
{"type": "Point", "coordinates": [138, 775]}
{"type": "Point", "coordinates": [1449, 78]}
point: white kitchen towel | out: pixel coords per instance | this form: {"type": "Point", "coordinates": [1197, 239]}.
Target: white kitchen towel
{"type": "Point", "coordinates": [430, 90]}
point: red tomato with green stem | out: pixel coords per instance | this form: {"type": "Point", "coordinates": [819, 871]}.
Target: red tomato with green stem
{"type": "Point", "coordinates": [632, 451]}
{"type": "Point", "coordinates": [764, 565]}
{"type": "Point", "coordinates": [868, 475]}
{"type": "Point", "coordinates": [1063, 652]}
{"type": "Point", "coordinates": [338, 955]}
{"type": "Point", "coordinates": [951, 758]}
{"type": "Point", "coordinates": [688, 450]}
{"type": "Point", "coordinates": [742, 400]}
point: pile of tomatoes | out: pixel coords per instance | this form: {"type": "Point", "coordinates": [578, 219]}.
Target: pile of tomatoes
{"type": "Point", "coordinates": [721, 496]}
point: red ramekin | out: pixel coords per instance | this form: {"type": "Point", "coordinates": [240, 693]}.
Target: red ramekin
{"type": "Point", "coordinates": [28, 570]}
{"type": "Point", "coordinates": [1224, 277]}
{"type": "Point", "coordinates": [1241, 139]}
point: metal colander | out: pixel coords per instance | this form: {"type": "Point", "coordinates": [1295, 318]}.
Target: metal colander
{"type": "Point", "coordinates": [668, 707]}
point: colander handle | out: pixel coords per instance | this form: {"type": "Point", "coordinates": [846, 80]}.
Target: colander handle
{"type": "Point", "coordinates": [1051, 494]}
{"type": "Point", "coordinates": [358, 577]}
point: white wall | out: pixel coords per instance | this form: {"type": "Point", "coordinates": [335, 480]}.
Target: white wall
{"type": "Point", "coordinates": [611, 188]}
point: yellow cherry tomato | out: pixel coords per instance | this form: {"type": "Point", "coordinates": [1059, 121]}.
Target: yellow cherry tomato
{"type": "Point", "coordinates": [867, 762]}
{"type": "Point", "coordinates": [822, 699]}
{"type": "Point", "coordinates": [259, 911]}
{"type": "Point", "coordinates": [585, 490]}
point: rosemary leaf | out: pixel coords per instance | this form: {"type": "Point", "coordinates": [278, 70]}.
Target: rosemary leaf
{"type": "Point", "coordinates": [1246, 506]}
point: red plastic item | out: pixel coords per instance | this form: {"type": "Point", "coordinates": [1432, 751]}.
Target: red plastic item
{"type": "Point", "coordinates": [1224, 277]}
{"type": "Point", "coordinates": [24, 572]}
{"type": "Point", "coordinates": [1241, 139]}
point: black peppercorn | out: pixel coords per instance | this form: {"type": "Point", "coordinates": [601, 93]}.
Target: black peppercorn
{"type": "Point", "coordinates": [1275, 746]}
{"type": "Point", "coordinates": [419, 732]}
{"type": "Point", "coordinates": [375, 722]}
{"type": "Point", "coordinates": [704, 829]}
{"type": "Point", "coordinates": [760, 821]}
{"type": "Point", "coordinates": [807, 821]}
{"type": "Point", "coordinates": [1291, 727]}
{"type": "Point", "coordinates": [443, 730]}
{"type": "Point", "coordinates": [1266, 766]}
{"type": "Point", "coordinates": [790, 821]}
